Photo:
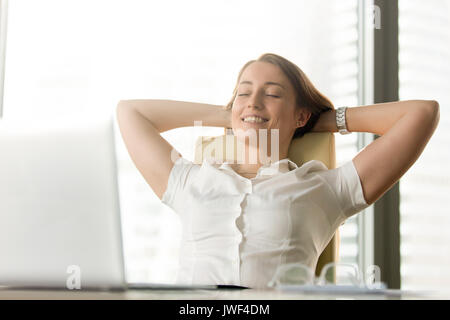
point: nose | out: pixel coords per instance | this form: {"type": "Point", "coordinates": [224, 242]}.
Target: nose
{"type": "Point", "coordinates": [254, 102]}
{"type": "Point", "coordinates": [252, 105]}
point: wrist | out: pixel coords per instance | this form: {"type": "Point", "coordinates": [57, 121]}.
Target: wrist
{"type": "Point", "coordinates": [341, 120]}
{"type": "Point", "coordinates": [326, 122]}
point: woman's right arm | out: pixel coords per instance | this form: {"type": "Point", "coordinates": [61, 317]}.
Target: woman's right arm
{"type": "Point", "coordinates": [170, 114]}
{"type": "Point", "coordinates": [142, 121]}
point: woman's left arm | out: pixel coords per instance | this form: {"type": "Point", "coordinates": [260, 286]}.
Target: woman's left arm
{"type": "Point", "coordinates": [404, 127]}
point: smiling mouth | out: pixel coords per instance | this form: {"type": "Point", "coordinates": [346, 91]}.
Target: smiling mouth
{"type": "Point", "coordinates": [254, 122]}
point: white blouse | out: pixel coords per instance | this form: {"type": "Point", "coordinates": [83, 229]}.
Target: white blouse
{"type": "Point", "coordinates": [237, 230]}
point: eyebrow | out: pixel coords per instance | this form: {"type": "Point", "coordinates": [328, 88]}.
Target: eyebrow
{"type": "Point", "coordinates": [268, 82]}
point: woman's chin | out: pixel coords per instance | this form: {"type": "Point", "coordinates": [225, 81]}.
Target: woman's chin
{"type": "Point", "coordinates": [248, 128]}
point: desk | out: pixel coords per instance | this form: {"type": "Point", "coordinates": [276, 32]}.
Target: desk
{"type": "Point", "coordinates": [247, 294]}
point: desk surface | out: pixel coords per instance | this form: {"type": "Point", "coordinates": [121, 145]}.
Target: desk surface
{"type": "Point", "coordinates": [247, 294]}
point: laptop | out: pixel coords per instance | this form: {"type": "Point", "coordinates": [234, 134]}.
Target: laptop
{"type": "Point", "coordinates": [60, 223]}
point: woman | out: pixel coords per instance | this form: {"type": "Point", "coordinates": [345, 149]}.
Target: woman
{"type": "Point", "coordinates": [243, 220]}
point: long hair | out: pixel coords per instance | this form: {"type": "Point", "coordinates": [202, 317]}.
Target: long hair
{"type": "Point", "coordinates": [307, 96]}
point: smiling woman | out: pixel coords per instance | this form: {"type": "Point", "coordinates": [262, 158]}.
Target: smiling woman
{"type": "Point", "coordinates": [272, 93]}
{"type": "Point", "coordinates": [239, 228]}
{"type": "Point", "coordinates": [293, 88]}
{"type": "Point", "coordinates": [242, 221]}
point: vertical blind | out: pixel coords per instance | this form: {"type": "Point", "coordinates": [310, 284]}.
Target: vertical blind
{"type": "Point", "coordinates": [424, 60]}
{"type": "Point", "coordinates": [82, 57]}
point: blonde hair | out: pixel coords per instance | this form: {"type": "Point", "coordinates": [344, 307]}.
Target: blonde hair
{"type": "Point", "coordinates": [307, 96]}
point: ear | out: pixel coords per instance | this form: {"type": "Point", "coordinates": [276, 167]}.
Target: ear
{"type": "Point", "coordinates": [302, 116]}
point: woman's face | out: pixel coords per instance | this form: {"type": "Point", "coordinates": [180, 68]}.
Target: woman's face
{"type": "Point", "coordinates": [265, 91]}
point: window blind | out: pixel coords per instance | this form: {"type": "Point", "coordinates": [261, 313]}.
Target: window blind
{"type": "Point", "coordinates": [149, 50]}
{"type": "Point", "coordinates": [424, 55]}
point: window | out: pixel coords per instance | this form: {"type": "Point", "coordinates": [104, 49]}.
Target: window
{"type": "Point", "coordinates": [424, 55]}
{"type": "Point", "coordinates": [82, 57]}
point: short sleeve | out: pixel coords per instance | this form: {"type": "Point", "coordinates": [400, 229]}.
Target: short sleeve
{"type": "Point", "coordinates": [176, 185]}
{"type": "Point", "coordinates": [347, 187]}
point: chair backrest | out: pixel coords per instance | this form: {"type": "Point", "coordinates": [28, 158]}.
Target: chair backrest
{"type": "Point", "coordinates": [312, 146]}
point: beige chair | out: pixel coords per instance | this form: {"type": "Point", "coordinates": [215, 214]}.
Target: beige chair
{"type": "Point", "coordinates": [312, 146]}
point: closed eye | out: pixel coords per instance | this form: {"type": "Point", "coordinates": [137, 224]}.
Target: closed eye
{"type": "Point", "coordinates": [270, 95]}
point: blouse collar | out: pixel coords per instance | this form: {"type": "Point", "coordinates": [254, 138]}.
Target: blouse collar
{"type": "Point", "coordinates": [281, 166]}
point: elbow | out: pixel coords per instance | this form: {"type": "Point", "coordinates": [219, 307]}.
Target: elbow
{"type": "Point", "coordinates": [432, 110]}
{"type": "Point", "coordinates": [432, 106]}
{"type": "Point", "coordinates": [121, 103]}
{"type": "Point", "coordinates": [119, 107]}
{"type": "Point", "coordinates": [435, 111]}
{"type": "Point", "coordinates": [122, 107]}
{"type": "Point", "coordinates": [127, 102]}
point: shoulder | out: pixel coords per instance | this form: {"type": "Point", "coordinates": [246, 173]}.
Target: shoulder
{"type": "Point", "coordinates": [311, 168]}
{"type": "Point", "coordinates": [185, 168]}
{"type": "Point", "coordinates": [189, 173]}
{"type": "Point", "coordinates": [181, 175]}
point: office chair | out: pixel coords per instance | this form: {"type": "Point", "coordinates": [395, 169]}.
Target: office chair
{"type": "Point", "coordinates": [312, 146]}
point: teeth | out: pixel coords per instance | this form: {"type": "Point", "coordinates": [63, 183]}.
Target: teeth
{"type": "Point", "coordinates": [254, 119]}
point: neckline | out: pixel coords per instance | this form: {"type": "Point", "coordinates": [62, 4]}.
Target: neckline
{"type": "Point", "coordinates": [284, 165]}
